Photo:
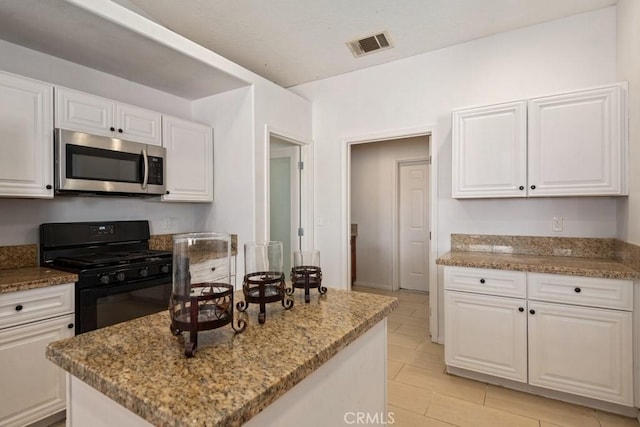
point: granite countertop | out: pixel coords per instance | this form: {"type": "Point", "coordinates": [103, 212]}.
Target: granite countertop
{"type": "Point", "coordinates": [573, 266]}
{"type": "Point", "coordinates": [20, 279]}
{"type": "Point", "coordinates": [142, 366]}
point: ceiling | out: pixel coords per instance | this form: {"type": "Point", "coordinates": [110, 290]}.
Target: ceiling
{"type": "Point", "coordinates": [296, 41]}
{"type": "Point", "coordinates": [286, 41]}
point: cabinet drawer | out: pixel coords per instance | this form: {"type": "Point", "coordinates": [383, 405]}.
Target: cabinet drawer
{"type": "Point", "coordinates": [585, 291]}
{"type": "Point", "coordinates": [35, 304]}
{"type": "Point", "coordinates": [485, 281]}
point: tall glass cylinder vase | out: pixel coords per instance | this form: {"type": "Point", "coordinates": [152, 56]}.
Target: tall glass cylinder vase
{"type": "Point", "coordinates": [264, 279]}
{"type": "Point", "coordinates": [202, 292]}
{"type": "Point", "coordinates": [306, 273]}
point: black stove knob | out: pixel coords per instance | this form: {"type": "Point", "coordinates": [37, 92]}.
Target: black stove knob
{"type": "Point", "coordinates": [104, 279]}
{"type": "Point", "coordinates": [144, 272]}
{"type": "Point", "coordinates": [164, 268]}
{"type": "Point", "coordinates": [120, 276]}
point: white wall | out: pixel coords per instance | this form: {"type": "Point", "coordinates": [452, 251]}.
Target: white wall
{"type": "Point", "coordinates": [285, 114]}
{"type": "Point", "coordinates": [373, 178]}
{"type": "Point", "coordinates": [232, 211]}
{"type": "Point", "coordinates": [567, 54]}
{"type": "Point", "coordinates": [30, 63]}
{"type": "Point", "coordinates": [19, 219]}
{"type": "Point", "coordinates": [629, 70]}
{"type": "Point", "coordinates": [240, 119]}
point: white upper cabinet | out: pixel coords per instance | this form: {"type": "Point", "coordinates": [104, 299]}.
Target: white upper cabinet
{"type": "Point", "coordinates": [189, 169]}
{"type": "Point", "coordinates": [101, 116]}
{"type": "Point", "coordinates": [490, 151]}
{"type": "Point", "coordinates": [26, 137]}
{"type": "Point", "coordinates": [571, 144]}
{"type": "Point", "coordinates": [577, 143]}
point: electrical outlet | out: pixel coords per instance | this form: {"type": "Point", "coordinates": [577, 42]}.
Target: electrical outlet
{"type": "Point", "coordinates": [556, 224]}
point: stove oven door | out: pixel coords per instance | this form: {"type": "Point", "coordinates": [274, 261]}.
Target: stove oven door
{"type": "Point", "coordinates": [108, 305]}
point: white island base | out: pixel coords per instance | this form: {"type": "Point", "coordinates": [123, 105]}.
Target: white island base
{"type": "Point", "coordinates": [351, 384]}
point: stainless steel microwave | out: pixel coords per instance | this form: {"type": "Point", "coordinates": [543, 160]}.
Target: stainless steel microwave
{"type": "Point", "coordinates": [92, 164]}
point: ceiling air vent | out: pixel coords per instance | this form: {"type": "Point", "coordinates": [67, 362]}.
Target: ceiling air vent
{"type": "Point", "coordinates": [370, 44]}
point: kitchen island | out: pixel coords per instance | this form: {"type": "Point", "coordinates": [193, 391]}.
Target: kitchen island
{"type": "Point", "coordinates": [310, 365]}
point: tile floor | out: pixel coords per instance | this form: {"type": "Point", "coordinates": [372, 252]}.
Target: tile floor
{"type": "Point", "coordinates": [420, 393]}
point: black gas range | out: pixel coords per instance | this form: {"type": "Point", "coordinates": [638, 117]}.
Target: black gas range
{"type": "Point", "coordinates": [119, 277]}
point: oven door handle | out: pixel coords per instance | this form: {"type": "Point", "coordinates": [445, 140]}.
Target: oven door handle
{"type": "Point", "coordinates": [145, 162]}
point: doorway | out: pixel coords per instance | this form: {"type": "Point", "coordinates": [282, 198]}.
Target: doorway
{"type": "Point", "coordinates": [375, 208]}
{"type": "Point", "coordinates": [413, 225]}
{"type": "Point", "coordinates": [286, 196]}
{"type": "Point", "coordinates": [349, 214]}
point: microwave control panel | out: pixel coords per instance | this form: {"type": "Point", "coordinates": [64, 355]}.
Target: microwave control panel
{"type": "Point", "coordinates": [155, 170]}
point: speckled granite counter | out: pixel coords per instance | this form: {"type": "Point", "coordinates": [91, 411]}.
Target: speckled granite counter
{"type": "Point", "coordinates": [141, 365]}
{"type": "Point", "coordinates": [573, 256]}
{"type": "Point", "coordinates": [573, 266]}
{"type": "Point", "coordinates": [20, 279]}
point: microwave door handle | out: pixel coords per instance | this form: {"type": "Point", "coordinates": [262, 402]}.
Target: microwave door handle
{"type": "Point", "coordinates": [145, 162]}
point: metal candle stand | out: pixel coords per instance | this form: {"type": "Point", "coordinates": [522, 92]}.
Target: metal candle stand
{"type": "Point", "coordinates": [202, 292]}
{"type": "Point", "coordinates": [307, 277]}
{"type": "Point", "coordinates": [262, 288]}
{"type": "Point", "coordinates": [209, 306]}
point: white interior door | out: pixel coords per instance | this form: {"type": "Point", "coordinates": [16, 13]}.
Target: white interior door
{"type": "Point", "coordinates": [413, 229]}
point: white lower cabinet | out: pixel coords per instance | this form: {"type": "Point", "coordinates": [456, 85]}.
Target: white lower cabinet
{"type": "Point", "coordinates": [581, 350]}
{"type": "Point", "coordinates": [486, 334]}
{"type": "Point", "coordinates": [570, 334]}
{"type": "Point", "coordinates": [32, 387]}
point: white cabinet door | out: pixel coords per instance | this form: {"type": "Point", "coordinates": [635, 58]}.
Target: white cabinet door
{"type": "Point", "coordinates": [577, 143]}
{"type": "Point", "coordinates": [189, 160]}
{"type": "Point", "coordinates": [580, 350]}
{"type": "Point", "coordinates": [486, 334]}
{"type": "Point", "coordinates": [101, 116]}
{"type": "Point", "coordinates": [33, 387]}
{"type": "Point", "coordinates": [138, 124]}
{"type": "Point", "coordinates": [570, 144]}
{"type": "Point", "coordinates": [490, 151]}
{"type": "Point", "coordinates": [26, 137]}
{"type": "Point", "coordinates": [83, 112]}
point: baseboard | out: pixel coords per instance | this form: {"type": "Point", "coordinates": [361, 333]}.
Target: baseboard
{"type": "Point", "coordinates": [51, 419]}
{"type": "Point", "coordinates": [551, 394]}
{"type": "Point", "coordinates": [372, 285]}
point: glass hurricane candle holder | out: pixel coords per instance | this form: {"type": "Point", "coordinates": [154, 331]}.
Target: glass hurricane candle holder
{"type": "Point", "coordinates": [264, 279]}
{"type": "Point", "coordinates": [306, 273]}
{"type": "Point", "coordinates": [202, 292]}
